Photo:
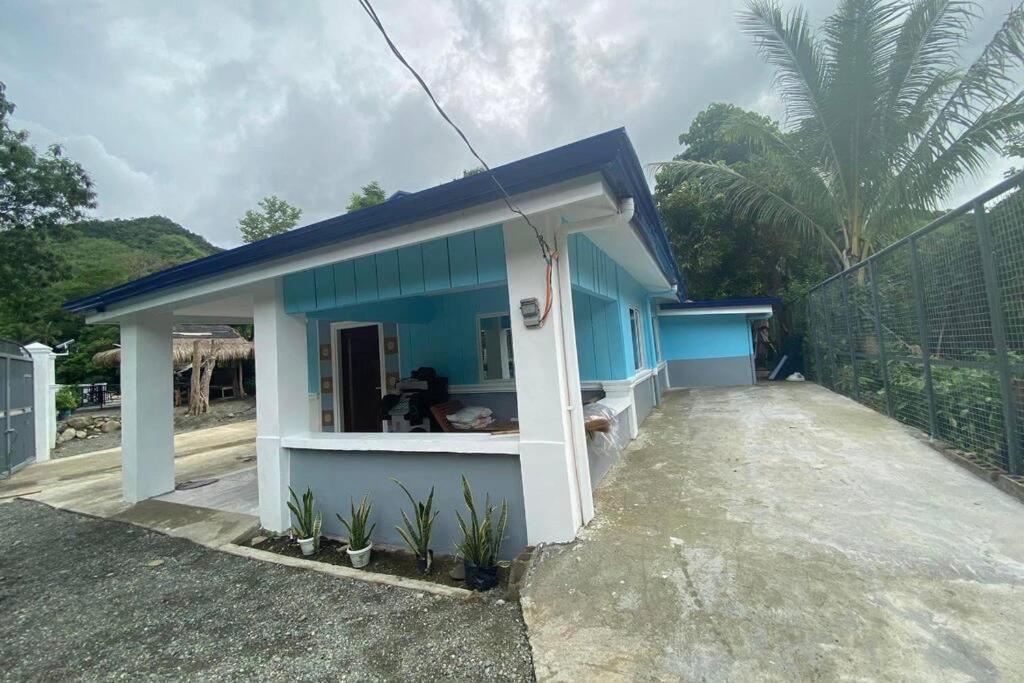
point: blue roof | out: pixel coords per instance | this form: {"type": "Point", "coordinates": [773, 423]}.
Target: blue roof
{"type": "Point", "coordinates": [609, 153]}
{"type": "Point", "coordinates": [724, 303]}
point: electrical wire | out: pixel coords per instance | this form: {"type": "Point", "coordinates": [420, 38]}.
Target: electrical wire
{"type": "Point", "coordinates": [547, 253]}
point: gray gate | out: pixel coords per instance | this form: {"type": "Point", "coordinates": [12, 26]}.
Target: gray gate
{"type": "Point", "coordinates": [16, 419]}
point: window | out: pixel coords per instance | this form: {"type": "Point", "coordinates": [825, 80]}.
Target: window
{"type": "Point", "coordinates": [638, 338]}
{"type": "Point", "coordinates": [494, 335]}
{"type": "Point", "coordinates": [657, 334]}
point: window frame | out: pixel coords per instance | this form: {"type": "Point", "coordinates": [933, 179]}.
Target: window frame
{"type": "Point", "coordinates": [481, 378]}
{"type": "Point", "coordinates": [636, 332]}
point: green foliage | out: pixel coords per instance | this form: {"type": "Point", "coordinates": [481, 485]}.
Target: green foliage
{"type": "Point", "coordinates": [883, 121]}
{"type": "Point", "coordinates": [359, 536]}
{"type": "Point", "coordinates": [66, 399]}
{"type": "Point", "coordinates": [416, 534]}
{"type": "Point", "coordinates": [723, 255]}
{"type": "Point", "coordinates": [308, 520]}
{"type": "Point", "coordinates": [371, 194]}
{"type": "Point", "coordinates": [273, 217]}
{"type": "Point", "coordinates": [39, 193]}
{"type": "Point", "coordinates": [481, 536]}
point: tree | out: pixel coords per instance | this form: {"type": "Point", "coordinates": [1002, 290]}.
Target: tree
{"type": "Point", "coordinates": [371, 194]}
{"type": "Point", "coordinates": [273, 217]}
{"type": "Point", "coordinates": [39, 193]}
{"type": "Point", "coordinates": [722, 255]}
{"type": "Point", "coordinates": [882, 121]}
{"type": "Point", "coordinates": [204, 360]}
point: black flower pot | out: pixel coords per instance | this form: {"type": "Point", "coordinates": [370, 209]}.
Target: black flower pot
{"type": "Point", "coordinates": [425, 564]}
{"type": "Point", "coordinates": [480, 578]}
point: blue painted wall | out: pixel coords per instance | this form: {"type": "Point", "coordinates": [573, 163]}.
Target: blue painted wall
{"type": "Point", "coordinates": [466, 260]}
{"type": "Point", "coordinates": [686, 337]}
{"type": "Point", "coordinates": [602, 293]}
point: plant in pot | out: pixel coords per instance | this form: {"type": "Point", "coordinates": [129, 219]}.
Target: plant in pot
{"type": "Point", "coordinates": [66, 401]}
{"type": "Point", "coordinates": [481, 540]}
{"type": "Point", "coordinates": [416, 533]}
{"type": "Point", "coordinates": [359, 543]}
{"type": "Point", "coordinates": [307, 521]}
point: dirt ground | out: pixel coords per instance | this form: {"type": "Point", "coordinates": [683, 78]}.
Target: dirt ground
{"type": "Point", "coordinates": [89, 599]}
{"type": "Point", "coordinates": [224, 411]}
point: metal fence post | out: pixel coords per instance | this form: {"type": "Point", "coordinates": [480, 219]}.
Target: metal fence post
{"type": "Point", "coordinates": [876, 307]}
{"type": "Point", "coordinates": [993, 294]}
{"type": "Point", "coordinates": [815, 332]}
{"type": "Point", "coordinates": [847, 305]}
{"type": "Point", "coordinates": [922, 332]}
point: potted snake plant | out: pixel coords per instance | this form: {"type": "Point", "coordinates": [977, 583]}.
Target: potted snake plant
{"type": "Point", "coordinates": [307, 521]}
{"type": "Point", "coordinates": [482, 537]}
{"type": "Point", "coordinates": [416, 531]}
{"type": "Point", "coordinates": [359, 535]}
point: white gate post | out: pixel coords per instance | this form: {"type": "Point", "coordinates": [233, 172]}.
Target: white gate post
{"type": "Point", "coordinates": [44, 411]}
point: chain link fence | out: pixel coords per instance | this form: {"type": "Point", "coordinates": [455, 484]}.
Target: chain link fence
{"type": "Point", "coordinates": [930, 330]}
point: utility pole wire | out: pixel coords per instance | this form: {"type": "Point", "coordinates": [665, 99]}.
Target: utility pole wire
{"type": "Point", "coordinates": [545, 249]}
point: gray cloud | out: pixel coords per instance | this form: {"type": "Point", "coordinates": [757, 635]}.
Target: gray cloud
{"type": "Point", "coordinates": [196, 110]}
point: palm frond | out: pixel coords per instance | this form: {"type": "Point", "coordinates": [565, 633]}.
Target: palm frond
{"type": "Point", "coordinates": [749, 199]}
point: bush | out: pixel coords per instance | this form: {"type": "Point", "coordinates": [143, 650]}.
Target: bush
{"type": "Point", "coordinates": [66, 399]}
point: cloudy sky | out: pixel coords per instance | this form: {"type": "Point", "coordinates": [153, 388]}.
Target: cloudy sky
{"type": "Point", "coordinates": [196, 110]}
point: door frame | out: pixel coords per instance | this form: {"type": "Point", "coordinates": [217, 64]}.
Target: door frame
{"type": "Point", "coordinates": [339, 414]}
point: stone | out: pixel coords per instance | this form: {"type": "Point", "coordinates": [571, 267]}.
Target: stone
{"type": "Point", "coordinates": [154, 563]}
{"type": "Point", "coordinates": [79, 422]}
{"type": "Point", "coordinates": [111, 426]}
{"type": "Point", "coordinates": [66, 435]}
{"type": "Point", "coordinates": [256, 540]}
{"type": "Point", "coordinates": [80, 434]}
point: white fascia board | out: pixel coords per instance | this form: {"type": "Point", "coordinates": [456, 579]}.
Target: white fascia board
{"type": "Point", "coordinates": [731, 310]}
{"type": "Point", "coordinates": [572, 196]}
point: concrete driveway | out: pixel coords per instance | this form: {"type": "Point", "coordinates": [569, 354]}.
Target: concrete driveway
{"type": "Point", "coordinates": [784, 532]}
{"type": "Point", "coordinates": [91, 484]}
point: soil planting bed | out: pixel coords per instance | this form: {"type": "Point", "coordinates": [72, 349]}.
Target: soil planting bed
{"type": "Point", "coordinates": [382, 561]}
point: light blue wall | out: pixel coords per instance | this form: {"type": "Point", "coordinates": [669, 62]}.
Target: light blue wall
{"type": "Point", "coordinates": [466, 260]}
{"type": "Point", "coordinates": [685, 337]}
{"type": "Point", "coordinates": [448, 341]}
{"type": "Point", "coordinates": [602, 293]}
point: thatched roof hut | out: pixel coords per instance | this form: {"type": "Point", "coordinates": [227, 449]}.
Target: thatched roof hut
{"type": "Point", "coordinates": [227, 343]}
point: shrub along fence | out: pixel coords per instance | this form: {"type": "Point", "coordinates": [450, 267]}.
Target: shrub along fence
{"type": "Point", "coordinates": [930, 330]}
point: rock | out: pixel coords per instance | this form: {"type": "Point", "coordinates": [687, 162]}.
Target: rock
{"type": "Point", "coordinates": [154, 563]}
{"type": "Point", "coordinates": [256, 540]}
{"type": "Point", "coordinates": [111, 426]}
{"type": "Point", "coordinates": [79, 422]}
{"type": "Point", "coordinates": [81, 434]}
{"type": "Point", "coordinates": [66, 435]}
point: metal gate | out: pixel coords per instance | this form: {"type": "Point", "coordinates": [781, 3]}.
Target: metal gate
{"type": "Point", "coordinates": [16, 418]}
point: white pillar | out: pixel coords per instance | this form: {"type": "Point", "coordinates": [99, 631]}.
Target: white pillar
{"type": "Point", "coordinates": [555, 472]}
{"type": "Point", "coordinates": [281, 402]}
{"type": "Point", "coordinates": [147, 406]}
{"type": "Point", "coordinates": [44, 410]}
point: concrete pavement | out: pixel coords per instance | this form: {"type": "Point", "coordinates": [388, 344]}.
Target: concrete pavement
{"type": "Point", "coordinates": [91, 484]}
{"type": "Point", "coordinates": [783, 532]}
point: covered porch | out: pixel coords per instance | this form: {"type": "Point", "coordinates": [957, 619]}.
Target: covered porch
{"type": "Point", "coordinates": [344, 310]}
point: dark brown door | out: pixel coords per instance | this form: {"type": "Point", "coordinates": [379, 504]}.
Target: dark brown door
{"type": "Point", "coordinates": [359, 370]}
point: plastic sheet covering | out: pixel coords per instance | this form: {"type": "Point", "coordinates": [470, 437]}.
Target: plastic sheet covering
{"type": "Point", "coordinates": [602, 427]}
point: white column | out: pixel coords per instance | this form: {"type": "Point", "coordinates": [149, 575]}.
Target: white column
{"type": "Point", "coordinates": [556, 493]}
{"type": "Point", "coordinates": [281, 398]}
{"type": "Point", "coordinates": [147, 406]}
{"type": "Point", "coordinates": [44, 411]}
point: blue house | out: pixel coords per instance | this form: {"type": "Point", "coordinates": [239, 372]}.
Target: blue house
{"type": "Point", "coordinates": [436, 300]}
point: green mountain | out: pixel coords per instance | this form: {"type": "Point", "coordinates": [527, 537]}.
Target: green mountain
{"type": "Point", "coordinates": [100, 254]}
{"type": "Point", "coordinates": [103, 254]}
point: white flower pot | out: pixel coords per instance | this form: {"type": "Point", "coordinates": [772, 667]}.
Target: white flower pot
{"type": "Point", "coordinates": [360, 558]}
{"type": "Point", "coordinates": [307, 545]}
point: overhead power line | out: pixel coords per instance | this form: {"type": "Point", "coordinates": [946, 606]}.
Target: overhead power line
{"type": "Point", "coordinates": [545, 249]}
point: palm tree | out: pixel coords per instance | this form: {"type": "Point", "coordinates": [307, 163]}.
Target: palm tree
{"type": "Point", "coordinates": [881, 119]}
